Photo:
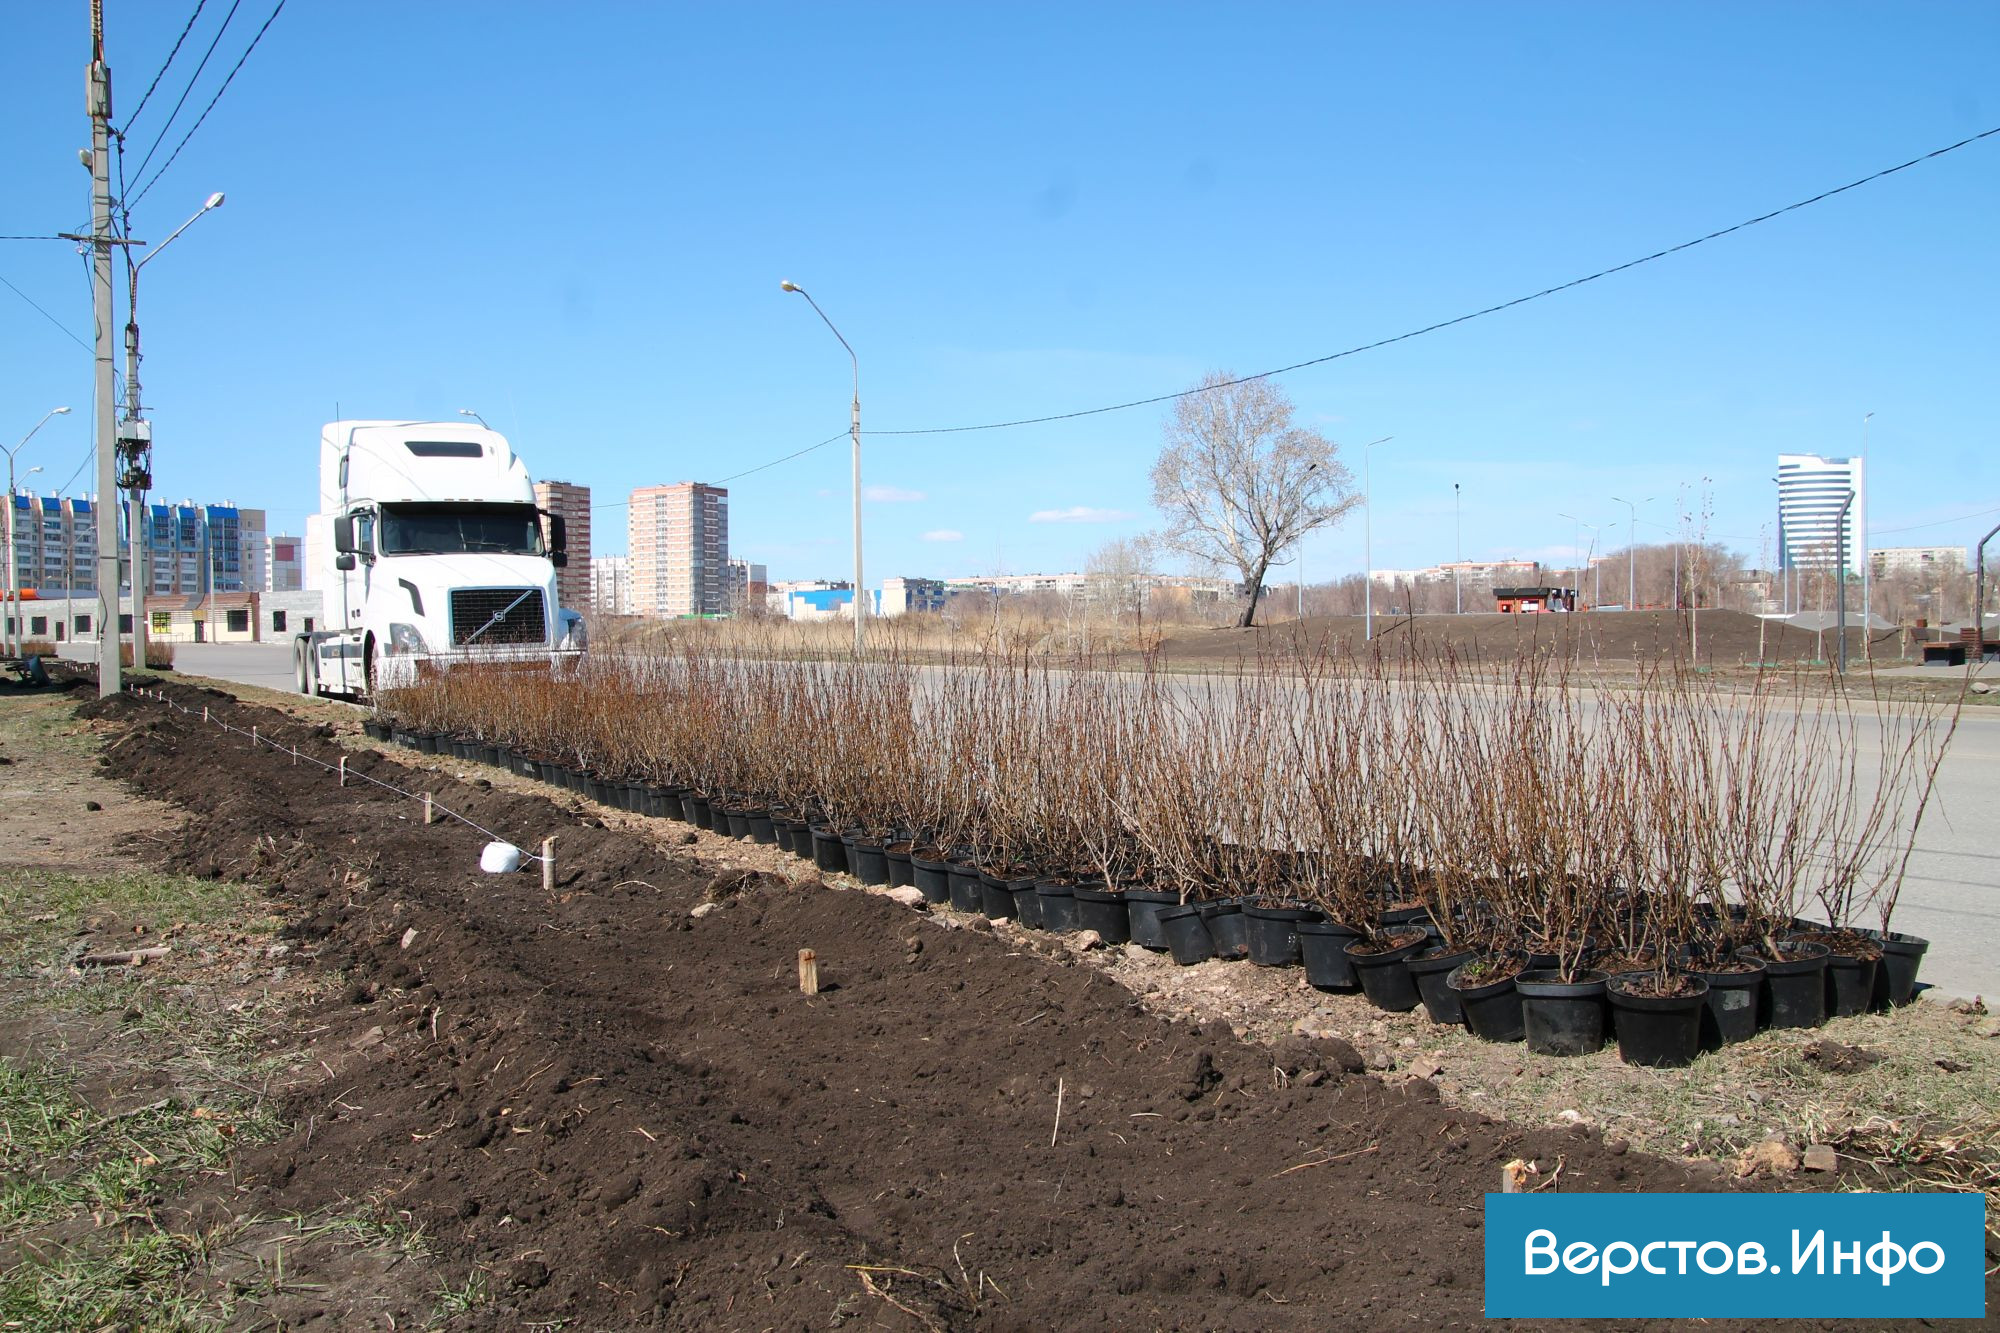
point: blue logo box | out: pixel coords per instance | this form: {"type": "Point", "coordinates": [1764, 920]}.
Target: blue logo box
{"type": "Point", "coordinates": [1854, 1256]}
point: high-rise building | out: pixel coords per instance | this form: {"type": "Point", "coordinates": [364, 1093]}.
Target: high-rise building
{"type": "Point", "coordinates": [680, 550]}
{"type": "Point", "coordinates": [1811, 493]}
{"type": "Point", "coordinates": [55, 544]}
{"type": "Point", "coordinates": [570, 503]}
{"type": "Point", "coordinates": [749, 585]}
{"type": "Point", "coordinates": [288, 564]}
{"type": "Point", "coordinates": [611, 585]}
{"type": "Point", "coordinates": [193, 550]}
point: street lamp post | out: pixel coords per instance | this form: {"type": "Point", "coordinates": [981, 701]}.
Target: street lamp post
{"type": "Point", "coordinates": [1457, 554]}
{"type": "Point", "coordinates": [136, 441]}
{"type": "Point", "coordinates": [860, 588]}
{"type": "Point", "coordinates": [1840, 578]}
{"type": "Point", "coordinates": [13, 601]}
{"type": "Point", "coordinates": [1576, 546]}
{"type": "Point", "coordinates": [1867, 560]}
{"type": "Point", "coordinates": [1632, 551]}
{"type": "Point", "coordinates": [1368, 536]}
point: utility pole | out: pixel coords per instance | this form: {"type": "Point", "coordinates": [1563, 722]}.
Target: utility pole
{"type": "Point", "coordinates": [107, 427]}
{"type": "Point", "coordinates": [1457, 553]}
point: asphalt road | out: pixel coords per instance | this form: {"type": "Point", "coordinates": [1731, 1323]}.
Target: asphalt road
{"type": "Point", "coordinates": [1951, 894]}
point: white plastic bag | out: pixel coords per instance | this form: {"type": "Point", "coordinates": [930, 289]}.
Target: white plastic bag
{"type": "Point", "coordinates": [500, 858]}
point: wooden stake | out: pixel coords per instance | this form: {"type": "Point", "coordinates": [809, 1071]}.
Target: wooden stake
{"type": "Point", "coordinates": [808, 972]}
{"type": "Point", "coordinates": [549, 866]}
{"type": "Point", "coordinates": [427, 807]}
{"type": "Point", "coordinates": [204, 712]}
{"type": "Point", "coordinates": [1058, 1126]}
{"type": "Point", "coordinates": [253, 735]}
{"type": "Point", "coordinates": [343, 770]}
{"type": "Point", "coordinates": [295, 756]}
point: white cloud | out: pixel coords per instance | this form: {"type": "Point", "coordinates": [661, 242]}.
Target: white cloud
{"type": "Point", "coordinates": [1078, 514]}
{"type": "Point", "coordinates": [890, 495]}
{"type": "Point", "coordinates": [944, 535]}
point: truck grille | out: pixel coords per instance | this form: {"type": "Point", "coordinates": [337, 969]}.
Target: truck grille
{"type": "Point", "coordinates": [473, 607]}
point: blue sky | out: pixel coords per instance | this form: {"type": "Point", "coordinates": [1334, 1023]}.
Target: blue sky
{"type": "Point", "coordinates": [574, 219]}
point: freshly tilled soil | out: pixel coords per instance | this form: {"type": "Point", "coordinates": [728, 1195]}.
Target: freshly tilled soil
{"type": "Point", "coordinates": [627, 1115]}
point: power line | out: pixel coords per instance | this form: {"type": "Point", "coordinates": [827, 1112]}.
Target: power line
{"type": "Point", "coordinates": [1943, 522]}
{"type": "Point", "coordinates": [46, 315]}
{"type": "Point", "coordinates": [199, 4]}
{"type": "Point", "coordinates": [626, 504]}
{"type": "Point", "coordinates": [1461, 319]}
{"type": "Point", "coordinates": [210, 107]}
{"type": "Point", "coordinates": [160, 138]}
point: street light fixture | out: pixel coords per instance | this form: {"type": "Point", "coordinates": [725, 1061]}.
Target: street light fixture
{"type": "Point", "coordinates": [1368, 535]}
{"type": "Point", "coordinates": [1632, 551]}
{"type": "Point", "coordinates": [860, 589]}
{"type": "Point", "coordinates": [1576, 547]}
{"type": "Point", "coordinates": [13, 602]}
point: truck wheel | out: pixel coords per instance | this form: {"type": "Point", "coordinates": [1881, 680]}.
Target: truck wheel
{"type": "Point", "coordinates": [305, 667]}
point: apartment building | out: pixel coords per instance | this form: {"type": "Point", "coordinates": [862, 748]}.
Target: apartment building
{"type": "Point", "coordinates": [611, 585]}
{"type": "Point", "coordinates": [679, 548]}
{"type": "Point", "coordinates": [570, 503]}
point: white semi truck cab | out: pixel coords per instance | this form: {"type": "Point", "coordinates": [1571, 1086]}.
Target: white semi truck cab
{"type": "Point", "coordinates": [430, 552]}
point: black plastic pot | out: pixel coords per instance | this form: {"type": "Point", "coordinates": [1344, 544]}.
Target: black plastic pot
{"type": "Point", "coordinates": [802, 840]}
{"type": "Point", "coordinates": [1729, 1011]}
{"type": "Point", "coordinates": [1187, 936]}
{"type": "Point", "coordinates": [829, 852]}
{"type": "Point", "coordinates": [1323, 950]}
{"type": "Point", "coordinates": [763, 828]}
{"type": "Point", "coordinates": [1795, 987]}
{"type": "Point", "coordinates": [1058, 905]}
{"type": "Point", "coordinates": [1104, 911]}
{"type": "Point", "coordinates": [377, 731]}
{"type": "Point", "coordinates": [867, 860]}
{"type": "Point", "coordinates": [1228, 932]}
{"type": "Point", "coordinates": [898, 856]}
{"type": "Point", "coordinates": [1143, 908]}
{"type": "Point", "coordinates": [739, 823]}
{"type": "Point", "coordinates": [965, 886]}
{"type": "Point", "coordinates": [1027, 901]}
{"type": "Point", "coordinates": [1408, 916]}
{"type": "Point", "coordinates": [1492, 1009]}
{"type": "Point", "coordinates": [1428, 968]}
{"type": "Point", "coordinates": [995, 901]}
{"type": "Point", "coordinates": [1563, 1017]}
{"type": "Point", "coordinates": [1274, 932]}
{"type": "Point", "coordinates": [553, 773]}
{"type": "Point", "coordinates": [1384, 980]}
{"type": "Point", "coordinates": [1896, 976]}
{"type": "Point", "coordinates": [694, 808]}
{"type": "Point", "coordinates": [427, 741]}
{"type": "Point", "coordinates": [932, 878]}
{"type": "Point", "coordinates": [1663, 1031]}
{"type": "Point", "coordinates": [1850, 984]}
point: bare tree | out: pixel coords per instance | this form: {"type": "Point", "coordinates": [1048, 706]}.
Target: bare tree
{"type": "Point", "coordinates": [1118, 571]}
{"type": "Point", "coordinates": [1240, 484]}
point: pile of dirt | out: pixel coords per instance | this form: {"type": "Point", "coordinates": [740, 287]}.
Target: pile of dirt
{"type": "Point", "coordinates": [625, 1113]}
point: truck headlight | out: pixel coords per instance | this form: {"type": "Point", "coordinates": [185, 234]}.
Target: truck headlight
{"type": "Point", "coordinates": [405, 639]}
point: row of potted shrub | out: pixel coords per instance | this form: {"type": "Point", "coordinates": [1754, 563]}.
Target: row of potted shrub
{"type": "Point", "coordinates": [1720, 978]}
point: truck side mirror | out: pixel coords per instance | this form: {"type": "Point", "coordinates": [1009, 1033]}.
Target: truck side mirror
{"type": "Point", "coordinates": [558, 541]}
{"type": "Point", "coordinates": [343, 539]}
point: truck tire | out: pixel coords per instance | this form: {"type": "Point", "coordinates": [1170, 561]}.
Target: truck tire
{"type": "Point", "coordinates": [305, 668]}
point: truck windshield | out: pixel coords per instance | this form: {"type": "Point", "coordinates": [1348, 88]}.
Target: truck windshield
{"type": "Point", "coordinates": [449, 529]}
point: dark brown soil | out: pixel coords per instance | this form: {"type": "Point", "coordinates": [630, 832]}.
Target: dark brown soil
{"type": "Point", "coordinates": [627, 1115]}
